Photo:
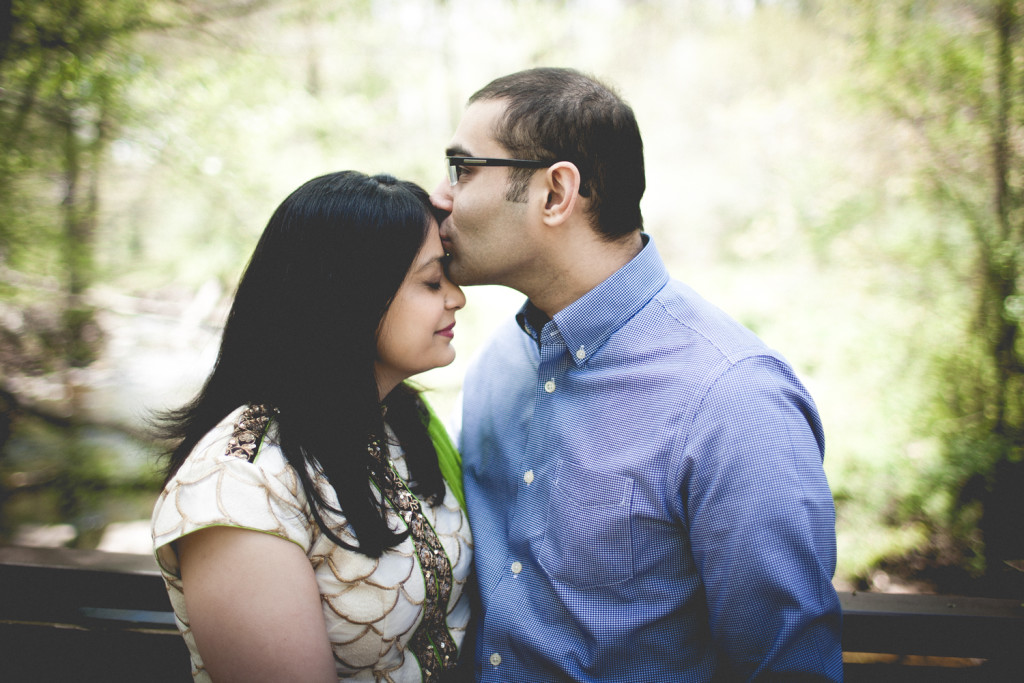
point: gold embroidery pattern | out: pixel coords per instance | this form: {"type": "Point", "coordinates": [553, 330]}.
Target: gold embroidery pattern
{"type": "Point", "coordinates": [249, 431]}
{"type": "Point", "coordinates": [432, 643]}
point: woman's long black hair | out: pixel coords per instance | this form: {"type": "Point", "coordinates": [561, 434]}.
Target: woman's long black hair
{"type": "Point", "coordinates": [301, 338]}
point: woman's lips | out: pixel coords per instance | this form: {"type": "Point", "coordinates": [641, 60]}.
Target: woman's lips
{"type": "Point", "coordinates": [447, 332]}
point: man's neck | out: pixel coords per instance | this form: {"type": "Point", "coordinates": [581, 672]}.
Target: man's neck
{"type": "Point", "coordinates": [574, 272]}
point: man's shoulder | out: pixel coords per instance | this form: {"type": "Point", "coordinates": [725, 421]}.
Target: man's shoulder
{"type": "Point", "coordinates": [679, 316]}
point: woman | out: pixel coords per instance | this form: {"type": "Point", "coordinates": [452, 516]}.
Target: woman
{"type": "Point", "coordinates": [305, 531]}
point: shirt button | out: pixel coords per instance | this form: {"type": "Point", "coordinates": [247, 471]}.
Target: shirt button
{"type": "Point", "coordinates": [549, 386]}
{"type": "Point", "coordinates": [581, 353]}
{"type": "Point", "coordinates": [517, 567]}
{"type": "Point", "coordinates": [495, 659]}
{"type": "Point", "coordinates": [528, 477]}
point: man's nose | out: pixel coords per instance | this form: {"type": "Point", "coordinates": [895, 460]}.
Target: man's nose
{"type": "Point", "coordinates": [441, 197]}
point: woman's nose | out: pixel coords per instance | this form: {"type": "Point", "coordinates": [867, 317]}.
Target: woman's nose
{"type": "Point", "coordinates": [455, 299]}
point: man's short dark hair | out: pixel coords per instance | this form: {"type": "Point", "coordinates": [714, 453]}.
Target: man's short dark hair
{"type": "Point", "coordinates": [563, 115]}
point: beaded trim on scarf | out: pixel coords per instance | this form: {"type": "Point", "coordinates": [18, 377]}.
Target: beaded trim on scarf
{"type": "Point", "coordinates": [432, 643]}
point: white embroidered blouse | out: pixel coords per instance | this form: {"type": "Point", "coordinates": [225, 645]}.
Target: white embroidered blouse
{"type": "Point", "coordinates": [372, 606]}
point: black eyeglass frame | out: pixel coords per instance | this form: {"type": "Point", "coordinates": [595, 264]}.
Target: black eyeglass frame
{"type": "Point", "coordinates": [452, 164]}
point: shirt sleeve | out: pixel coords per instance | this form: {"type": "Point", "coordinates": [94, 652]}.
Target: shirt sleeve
{"type": "Point", "coordinates": [214, 489]}
{"type": "Point", "coordinates": [762, 523]}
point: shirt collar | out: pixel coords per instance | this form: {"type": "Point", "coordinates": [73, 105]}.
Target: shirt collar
{"type": "Point", "coordinates": [587, 323]}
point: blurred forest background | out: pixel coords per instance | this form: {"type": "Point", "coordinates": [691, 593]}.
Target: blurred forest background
{"type": "Point", "coordinates": [843, 176]}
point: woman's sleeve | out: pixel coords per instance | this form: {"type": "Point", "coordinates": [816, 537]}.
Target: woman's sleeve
{"type": "Point", "coordinates": [215, 489]}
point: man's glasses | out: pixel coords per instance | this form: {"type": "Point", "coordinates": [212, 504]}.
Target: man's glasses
{"type": "Point", "coordinates": [455, 164]}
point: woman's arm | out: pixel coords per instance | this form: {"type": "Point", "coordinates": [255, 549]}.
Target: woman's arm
{"type": "Point", "coordinates": [254, 607]}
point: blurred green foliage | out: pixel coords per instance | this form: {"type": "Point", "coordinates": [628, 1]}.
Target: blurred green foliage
{"type": "Point", "coordinates": [843, 177]}
{"type": "Point", "coordinates": [952, 74]}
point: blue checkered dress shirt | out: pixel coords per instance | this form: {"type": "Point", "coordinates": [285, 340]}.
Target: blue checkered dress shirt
{"type": "Point", "coordinates": [645, 487]}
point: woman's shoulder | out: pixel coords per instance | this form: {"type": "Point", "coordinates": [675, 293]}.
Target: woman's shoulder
{"type": "Point", "coordinates": [240, 465]}
{"type": "Point", "coordinates": [245, 440]}
{"type": "Point", "coordinates": [236, 476]}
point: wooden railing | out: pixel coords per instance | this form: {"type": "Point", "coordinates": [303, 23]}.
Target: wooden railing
{"type": "Point", "coordinates": [86, 615]}
{"type": "Point", "coordinates": [933, 638]}
{"type": "Point", "coordinates": [81, 615]}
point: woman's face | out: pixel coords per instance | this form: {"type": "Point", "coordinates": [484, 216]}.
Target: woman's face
{"type": "Point", "coordinates": [417, 331]}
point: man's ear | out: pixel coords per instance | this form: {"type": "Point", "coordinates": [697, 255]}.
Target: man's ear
{"type": "Point", "coordinates": [562, 182]}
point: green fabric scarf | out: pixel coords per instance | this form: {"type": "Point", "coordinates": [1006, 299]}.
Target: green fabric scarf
{"type": "Point", "coordinates": [448, 457]}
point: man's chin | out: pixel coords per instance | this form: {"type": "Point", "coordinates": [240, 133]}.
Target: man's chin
{"type": "Point", "coordinates": [459, 275]}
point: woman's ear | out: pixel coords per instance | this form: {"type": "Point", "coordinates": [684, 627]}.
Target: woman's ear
{"type": "Point", "coordinates": [562, 182]}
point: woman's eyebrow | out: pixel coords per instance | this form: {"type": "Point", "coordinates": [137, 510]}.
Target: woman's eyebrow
{"type": "Point", "coordinates": [438, 261]}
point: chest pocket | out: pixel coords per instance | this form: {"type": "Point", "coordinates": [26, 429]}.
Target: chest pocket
{"type": "Point", "coordinates": [588, 540]}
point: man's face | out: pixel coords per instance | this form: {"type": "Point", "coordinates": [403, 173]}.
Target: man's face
{"type": "Point", "coordinates": [485, 234]}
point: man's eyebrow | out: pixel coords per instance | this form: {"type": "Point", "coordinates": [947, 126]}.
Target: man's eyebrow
{"type": "Point", "coordinates": [457, 152]}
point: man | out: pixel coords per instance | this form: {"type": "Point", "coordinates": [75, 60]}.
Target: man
{"type": "Point", "coordinates": [643, 475]}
